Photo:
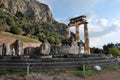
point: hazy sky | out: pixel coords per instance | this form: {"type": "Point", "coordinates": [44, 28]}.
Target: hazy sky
{"type": "Point", "coordinates": [103, 17]}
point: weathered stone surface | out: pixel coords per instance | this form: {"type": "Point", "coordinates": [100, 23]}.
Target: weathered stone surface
{"type": "Point", "coordinates": [60, 50]}
{"type": "Point", "coordinates": [13, 51]}
{"type": "Point", "coordinates": [45, 49]}
{"type": "Point", "coordinates": [31, 8]}
{"type": "Point", "coordinates": [74, 49]}
{"type": "Point", "coordinates": [3, 49]}
{"type": "Point", "coordinates": [29, 51]}
{"type": "Point", "coordinates": [81, 47]}
{"type": "Point", "coordinates": [81, 50]}
{"type": "Point", "coordinates": [18, 47]}
{"type": "Point", "coordinates": [6, 50]}
{"type": "Point", "coordinates": [49, 56]}
{"type": "Point", "coordinates": [0, 49]}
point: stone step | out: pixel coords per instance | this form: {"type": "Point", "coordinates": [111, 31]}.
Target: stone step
{"type": "Point", "coordinates": [53, 63]}
{"type": "Point", "coordinates": [54, 59]}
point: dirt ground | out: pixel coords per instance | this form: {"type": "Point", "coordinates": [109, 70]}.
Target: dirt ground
{"type": "Point", "coordinates": [112, 75]}
{"type": "Point", "coordinates": [104, 75]}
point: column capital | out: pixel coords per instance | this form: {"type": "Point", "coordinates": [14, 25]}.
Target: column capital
{"type": "Point", "coordinates": [85, 22]}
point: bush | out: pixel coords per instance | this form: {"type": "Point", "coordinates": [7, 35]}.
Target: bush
{"type": "Point", "coordinates": [114, 51]}
{"type": "Point", "coordinates": [16, 30]}
{"type": "Point", "coordinates": [4, 28]}
{"type": "Point", "coordinates": [19, 14]}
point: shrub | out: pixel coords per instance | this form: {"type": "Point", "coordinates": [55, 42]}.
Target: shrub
{"type": "Point", "coordinates": [114, 51]}
{"type": "Point", "coordinates": [4, 28]}
{"type": "Point", "coordinates": [16, 30]}
{"type": "Point", "coordinates": [19, 14]}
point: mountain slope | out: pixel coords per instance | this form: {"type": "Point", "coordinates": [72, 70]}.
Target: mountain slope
{"type": "Point", "coordinates": [31, 8]}
{"type": "Point", "coordinates": [30, 18]}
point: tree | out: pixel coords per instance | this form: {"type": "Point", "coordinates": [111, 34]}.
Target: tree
{"type": "Point", "coordinates": [96, 50]}
{"type": "Point", "coordinates": [10, 21]}
{"type": "Point", "coordinates": [16, 30]}
{"type": "Point", "coordinates": [106, 47]}
{"type": "Point", "coordinates": [114, 51]}
{"type": "Point", "coordinates": [19, 14]}
{"type": "Point", "coordinates": [28, 29]}
{"type": "Point", "coordinates": [117, 45]}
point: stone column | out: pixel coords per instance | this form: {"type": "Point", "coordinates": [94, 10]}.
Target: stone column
{"type": "Point", "coordinates": [18, 47]}
{"type": "Point", "coordinates": [77, 34]}
{"type": "Point", "coordinates": [6, 50]}
{"type": "Point", "coordinates": [86, 36]}
{"type": "Point", "coordinates": [68, 32]}
{"type": "Point", "coordinates": [0, 50]}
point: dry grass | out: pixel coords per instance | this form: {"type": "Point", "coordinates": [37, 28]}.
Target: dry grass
{"type": "Point", "coordinates": [20, 37]}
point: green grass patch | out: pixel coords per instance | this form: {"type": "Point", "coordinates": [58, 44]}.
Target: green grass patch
{"type": "Point", "coordinates": [12, 72]}
{"type": "Point", "coordinates": [109, 69]}
{"type": "Point", "coordinates": [81, 73]}
{"type": "Point", "coordinates": [20, 37]}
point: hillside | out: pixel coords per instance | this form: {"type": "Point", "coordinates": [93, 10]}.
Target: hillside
{"type": "Point", "coordinates": [31, 8]}
{"type": "Point", "coordinates": [10, 38]}
{"type": "Point", "coordinates": [32, 19]}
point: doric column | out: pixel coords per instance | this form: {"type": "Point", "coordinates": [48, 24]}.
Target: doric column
{"type": "Point", "coordinates": [86, 36]}
{"type": "Point", "coordinates": [68, 32]}
{"type": "Point", "coordinates": [77, 34]}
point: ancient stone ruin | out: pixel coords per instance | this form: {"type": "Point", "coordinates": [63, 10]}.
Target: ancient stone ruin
{"type": "Point", "coordinates": [15, 49]}
{"type": "Point", "coordinates": [45, 56]}
{"type": "Point", "coordinates": [77, 22]}
{"type": "Point", "coordinates": [69, 48]}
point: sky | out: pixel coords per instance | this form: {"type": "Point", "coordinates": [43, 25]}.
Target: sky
{"type": "Point", "coordinates": [103, 17]}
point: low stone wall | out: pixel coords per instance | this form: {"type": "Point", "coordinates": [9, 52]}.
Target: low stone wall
{"type": "Point", "coordinates": [14, 47]}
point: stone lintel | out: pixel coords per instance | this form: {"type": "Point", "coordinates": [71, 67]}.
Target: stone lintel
{"type": "Point", "coordinates": [78, 18]}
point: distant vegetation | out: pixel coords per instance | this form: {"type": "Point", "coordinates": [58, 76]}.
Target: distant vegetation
{"type": "Point", "coordinates": [108, 49]}
{"type": "Point", "coordinates": [20, 24]}
{"type": "Point", "coordinates": [112, 49]}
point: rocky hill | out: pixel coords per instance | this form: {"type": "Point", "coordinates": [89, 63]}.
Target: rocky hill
{"type": "Point", "coordinates": [30, 18]}
{"type": "Point", "coordinates": [31, 8]}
